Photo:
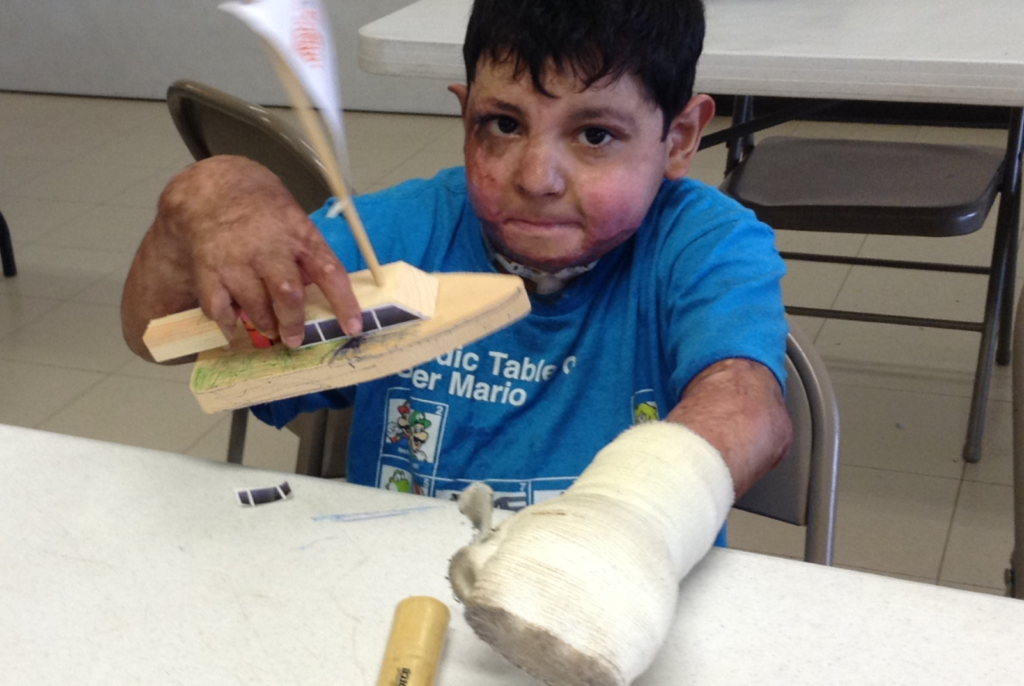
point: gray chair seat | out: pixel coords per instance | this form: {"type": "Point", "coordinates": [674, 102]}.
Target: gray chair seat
{"type": "Point", "coordinates": [905, 189]}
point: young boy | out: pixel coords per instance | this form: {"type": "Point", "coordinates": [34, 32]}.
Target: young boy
{"type": "Point", "coordinates": [654, 298]}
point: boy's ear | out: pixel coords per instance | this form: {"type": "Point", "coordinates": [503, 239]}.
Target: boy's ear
{"type": "Point", "coordinates": [461, 92]}
{"type": "Point", "coordinates": [684, 134]}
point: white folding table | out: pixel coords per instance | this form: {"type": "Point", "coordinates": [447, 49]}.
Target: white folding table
{"type": "Point", "coordinates": [120, 565]}
{"type": "Point", "coordinates": [944, 51]}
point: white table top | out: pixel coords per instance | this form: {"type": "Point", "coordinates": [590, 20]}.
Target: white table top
{"type": "Point", "coordinates": [129, 566]}
{"type": "Point", "coordinates": [912, 50]}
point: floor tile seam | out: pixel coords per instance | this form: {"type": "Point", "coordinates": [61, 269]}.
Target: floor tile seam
{"type": "Point", "coordinates": [882, 470]}
{"type": "Point", "coordinates": [57, 302]}
{"type": "Point", "coordinates": [40, 242]}
{"type": "Point", "coordinates": [110, 203]}
{"type": "Point", "coordinates": [946, 260]}
{"type": "Point", "coordinates": [983, 482]}
{"type": "Point", "coordinates": [88, 283]}
{"type": "Point", "coordinates": [398, 166]}
{"type": "Point", "coordinates": [12, 189]}
{"type": "Point", "coordinates": [967, 394]}
{"type": "Point", "coordinates": [87, 148]}
{"type": "Point", "coordinates": [35, 241]}
{"type": "Point", "coordinates": [62, 367]}
{"type": "Point", "coordinates": [846, 278]}
{"type": "Point", "coordinates": [4, 159]}
{"type": "Point", "coordinates": [131, 165]}
{"type": "Point", "coordinates": [908, 310]}
{"type": "Point", "coordinates": [365, 146]}
{"type": "Point", "coordinates": [206, 433]}
{"type": "Point", "coordinates": [119, 372]}
{"type": "Point", "coordinates": [952, 518]}
{"type": "Point", "coordinates": [63, 199]}
{"type": "Point", "coordinates": [75, 398]}
{"type": "Point", "coordinates": [907, 472]}
{"type": "Point", "coordinates": [862, 254]}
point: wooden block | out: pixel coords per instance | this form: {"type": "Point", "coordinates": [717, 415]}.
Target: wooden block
{"type": "Point", "coordinates": [182, 334]}
{"type": "Point", "coordinates": [408, 294]}
{"type": "Point", "coordinates": [469, 307]}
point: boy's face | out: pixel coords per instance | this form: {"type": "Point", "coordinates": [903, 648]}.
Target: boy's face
{"type": "Point", "coordinates": [560, 181]}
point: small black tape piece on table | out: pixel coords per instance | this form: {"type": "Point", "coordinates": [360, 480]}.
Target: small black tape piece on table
{"type": "Point", "coordinates": [251, 497]}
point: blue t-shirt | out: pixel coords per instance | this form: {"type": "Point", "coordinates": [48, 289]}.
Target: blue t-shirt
{"type": "Point", "coordinates": [528, 407]}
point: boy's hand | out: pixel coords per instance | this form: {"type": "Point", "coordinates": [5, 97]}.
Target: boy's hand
{"type": "Point", "coordinates": [230, 236]}
{"type": "Point", "coordinates": [580, 590]}
{"type": "Point", "coordinates": [253, 247]}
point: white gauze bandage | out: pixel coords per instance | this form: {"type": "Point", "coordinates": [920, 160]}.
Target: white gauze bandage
{"type": "Point", "coordinates": [581, 590]}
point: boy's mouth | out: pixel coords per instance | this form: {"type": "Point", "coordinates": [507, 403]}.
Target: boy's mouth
{"type": "Point", "coordinates": [521, 225]}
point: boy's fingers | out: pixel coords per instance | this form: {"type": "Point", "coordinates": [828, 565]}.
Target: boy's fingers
{"type": "Point", "coordinates": [327, 272]}
{"type": "Point", "coordinates": [252, 297]}
{"type": "Point", "coordinates": [217, 305]}
{"type": "Point", "coordinates": [287, 296]}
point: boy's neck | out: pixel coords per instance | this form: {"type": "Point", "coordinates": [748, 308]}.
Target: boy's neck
{"type": "Point", "coordinates": [537, 280]}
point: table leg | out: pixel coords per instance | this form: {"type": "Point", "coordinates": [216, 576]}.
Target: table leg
{"type": "Point", "coordinates": [1015, 583]}
{"type": "Point", "coordinates": [7, 249]}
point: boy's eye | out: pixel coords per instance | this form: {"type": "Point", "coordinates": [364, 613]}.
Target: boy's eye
{"type": "Point", "coordinates": [507, 124]}
{"type": "Point", "coordinates": [596, 136]}
{"type": "Point", "coordinates": [502, 124]}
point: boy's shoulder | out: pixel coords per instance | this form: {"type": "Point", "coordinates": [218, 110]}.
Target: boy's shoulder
{"type": "Point", "coordinates": [695, 198]}
{"type": "Point", "coordinates": [692, 221]}
{"type": "Point", "coordinates": [687, 209]}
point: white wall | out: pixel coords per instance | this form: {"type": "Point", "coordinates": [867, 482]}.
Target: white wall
{"type": "Point", "coordinates": [136, 48]}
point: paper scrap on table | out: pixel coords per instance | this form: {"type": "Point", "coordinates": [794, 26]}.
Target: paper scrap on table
{"type": "Point", "coordinates": [251, 497]}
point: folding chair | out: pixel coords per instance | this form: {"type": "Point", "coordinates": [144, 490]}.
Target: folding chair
{"type": "Point", "coordinates": [801, 490]}
{"type": "Point", "coordinates": [212, 122]}
{"type": "Point", "coordinates": [889, 188]}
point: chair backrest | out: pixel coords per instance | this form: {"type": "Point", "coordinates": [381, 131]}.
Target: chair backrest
{"type": "Point", "coordinates": [212, 122]}
{"type": "Point", "coordinates": [801, 490]}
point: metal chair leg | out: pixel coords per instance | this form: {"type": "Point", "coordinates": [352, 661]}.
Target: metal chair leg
{"type": "Point", "coordinates": [312, 438]}
{"type": "Point", "coordinates": [987, 347]}
{"type": "Point", "coordinates": [7, 249]}
{"type": "Point", "coordinates": [236, 441]}
{"type": "Point", "coordinates": [999, 300]}
{"type": "Point", "coordinates": [1009, 211]}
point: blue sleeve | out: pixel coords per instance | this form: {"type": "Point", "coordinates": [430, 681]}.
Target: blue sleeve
{"type": "Point", "coordinates": [724, 296]}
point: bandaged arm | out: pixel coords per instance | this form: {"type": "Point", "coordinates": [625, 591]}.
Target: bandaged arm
{"type": "Point", "coordinates": [581, 590]}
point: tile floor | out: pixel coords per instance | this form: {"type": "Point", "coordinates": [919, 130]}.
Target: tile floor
{"type": "Point", "coordinates": [79, 179]}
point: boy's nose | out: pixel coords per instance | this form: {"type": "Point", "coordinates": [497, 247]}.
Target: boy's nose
{"type": "Point", "coordinates": [540, 172]}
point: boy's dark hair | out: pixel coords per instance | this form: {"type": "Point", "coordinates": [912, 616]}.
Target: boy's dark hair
{"type": "Point", "coordinates": [658, 41]}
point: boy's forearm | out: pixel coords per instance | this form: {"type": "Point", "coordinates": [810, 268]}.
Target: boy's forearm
{"type": "Point", "coordinates": [161, 280]}
{"type": "Point", "coordinates": [737, 406]}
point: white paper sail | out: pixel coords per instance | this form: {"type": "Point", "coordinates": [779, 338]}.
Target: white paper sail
{"type": "Point", "coordinates": [299, 31]}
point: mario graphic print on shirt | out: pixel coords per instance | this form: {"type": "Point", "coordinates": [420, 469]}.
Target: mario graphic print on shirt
{"type": "Point", "coordinates": [412, 441]}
